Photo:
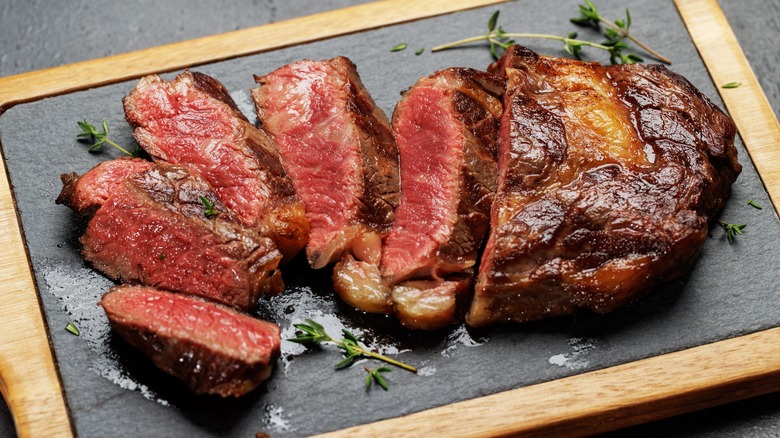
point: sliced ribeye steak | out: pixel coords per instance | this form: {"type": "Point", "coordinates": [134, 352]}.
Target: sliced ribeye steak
{"type": "Point", "coordinates": [213, 349]}
{"type": "Point", "coordinates": [608, 177]}
{"type": "Point", "coordinates": [156, 229]}
{"type": "Point", "coordinates": [338, 148]}
{"type": "Point", "coordinates": [192, 120]}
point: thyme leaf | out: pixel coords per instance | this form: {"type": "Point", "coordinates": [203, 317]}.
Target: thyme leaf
{"type": "Point", "coordinates": [753, 204]}
{"type": "Point", "coordinates": [398, 47]}
{"type": "Point", "coordinates": [731, 85]}
{"type": "Point", "coordinates": [376, 376]}
{"type": "Point", "coordinates": [210, 212]}
{"type": "Point", "coordinates": [72, 328]}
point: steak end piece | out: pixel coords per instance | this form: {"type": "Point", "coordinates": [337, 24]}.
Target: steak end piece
{"type": "Point", "coordinates": [85, 194]}
{"type": "Point", "coordinates": [193, 121]}
{"type": "Point", "coordinates": [608, 178]}
{"type": "Point", "coordinates": [154, 229]}
{"type": "Point", "coordinates": [338, 148]}
{"type": "Point", "coordinates": [212, 348]}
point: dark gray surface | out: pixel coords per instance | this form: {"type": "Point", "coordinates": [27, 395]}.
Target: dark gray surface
{"type": "Point", "coordinates": [578, 344]}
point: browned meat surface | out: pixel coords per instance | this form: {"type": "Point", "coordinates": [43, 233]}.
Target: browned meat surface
{"type": "Point", "coordinates": [153, 229]}
{"type": "Point", "coordinates": [338, 148]}
{"type": "Point", "coordinates": [608, 177]}
{"type": "Point", "coordinates": [85, 194]}
{"type": "Point", "coordinates": [213, 349]}
{"type": "Point", "coordinates": [192, 120]}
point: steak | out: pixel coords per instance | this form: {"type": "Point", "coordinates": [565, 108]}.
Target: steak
{"type": "Point", "coordinates": [85, 194]}
{"type": "Point", "coordinates": [608, 177]}
{"type": "Point", "coordinates": [153, 229]}
{"type": "Point", "coordinates": [192, 120]}
{"type": "Point", "coordinates": [212, 348]}
{"type": "Point", "coordinates": [338, 148]}
{"type": "Point", "coordinates": [446, 127]}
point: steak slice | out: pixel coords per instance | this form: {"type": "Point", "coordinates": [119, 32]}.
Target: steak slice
{"type": "Point", "coordinates": [338, 148]}
{"type": "Point", "coordinates": [213, 349]}
{"type": "Point", "coordinates": [193, 120]}
{"type": "Point", "coordinates": [153, 230]}
{"type": "Point", "coordinates": [85, 194]}
{"type": "Point", "coordinates": [446, 128]}
{"type": "Point", "coordinates": [608, 177]}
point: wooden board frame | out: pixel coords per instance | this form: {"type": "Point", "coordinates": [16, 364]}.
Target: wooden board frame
{"type": "Point", "coordinates": [584, 404]}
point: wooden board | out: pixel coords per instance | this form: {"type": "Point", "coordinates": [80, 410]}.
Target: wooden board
{"type": "Point", "coordinates": [691, 379]}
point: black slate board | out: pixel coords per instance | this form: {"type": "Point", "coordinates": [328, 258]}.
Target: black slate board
{"type": "Point", "coordinates": [111, 390]}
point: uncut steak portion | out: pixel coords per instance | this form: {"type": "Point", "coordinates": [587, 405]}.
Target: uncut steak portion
{"type": "Point", "coordinates": [212, 348]}
{"type": "Point", "coordinates": [608, 177]}
{"type": "Point", "coordinates": [338, 148]}
{"type": "Point", "coordinates": [85, 194]}
{"type": "Point", "coordinates": [446, 128]}
{"type": "Point", "coordinates": [153, 230]}
{"type": "Point", "coordinates": [192, 120]}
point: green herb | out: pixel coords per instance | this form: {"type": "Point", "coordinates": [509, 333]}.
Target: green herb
{"type": "Point", "coordinates": [376, 376]}
{"type": "Point", "coordinates": [419, 51]}
{"type": "Point", "coordinates": [731, 85]}
{"type": "Point", "coordinates": [615, 31]}
{"type": "Point", "coordinates": [210, 212]}
{"type": "Point", "coordinates": [72, 328]}
{"type": "Point", "coordinates": [398, 47]}
{"type": "Point", "coordinates": [497, 37]}
{"type": "Point", "coordinates": [162, 257]}
{"type": "Point", "coordinates": [313, 333]}
{"type": "Point", "coordinates": [753, 204]}
{"type": "Point", "coordinates": [732, 230]}
{"type": "Point", "coordinates": [98, 139]}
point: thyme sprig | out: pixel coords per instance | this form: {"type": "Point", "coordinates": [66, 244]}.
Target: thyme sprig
{"type": "Point", "coordinates": [313, 333]}
{"type": "Point", "coordinates": [90, 133]}
{"type": "Point", "coordinates": [732, 230]}
{"type": "Point", "coordinates": [615, 31]}
{"type": "Point", "coordinates": [497, 37]}
{"type": "Point", "coordinates": [376, 376]}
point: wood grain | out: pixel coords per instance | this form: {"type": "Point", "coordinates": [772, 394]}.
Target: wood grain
{"type": "Point", "coordinates": [585, 404]}
{"type": "Point", "coordinates": [747, 104]}
{"type": "Point", "coordinates": [607, 399]}
{"type": "Point", "coordinates": [82, 75]}
{"type": "Point", "coordinates": [30, 384]}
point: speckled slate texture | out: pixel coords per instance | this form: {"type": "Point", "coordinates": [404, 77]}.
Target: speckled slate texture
{"type": "Point", "coordinates": [113, 391]}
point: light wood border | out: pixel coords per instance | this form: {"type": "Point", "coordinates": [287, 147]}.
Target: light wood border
{"type": "Point", "coordinates": [747, 104]}
{"type": "Point", "coordinates": [589, 403]}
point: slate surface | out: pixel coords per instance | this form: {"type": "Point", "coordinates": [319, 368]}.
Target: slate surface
{"type": "Point", "coordinates": [711, 303]}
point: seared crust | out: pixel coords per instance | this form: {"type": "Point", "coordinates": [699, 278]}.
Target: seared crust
{"type": "Point", "coordinates": [608, 177]}
{"type": "Point", "coordinates": [153, 230]}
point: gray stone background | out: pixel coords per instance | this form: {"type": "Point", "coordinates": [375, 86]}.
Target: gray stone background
{"type": "Point", "coordinates": [36, 34]}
